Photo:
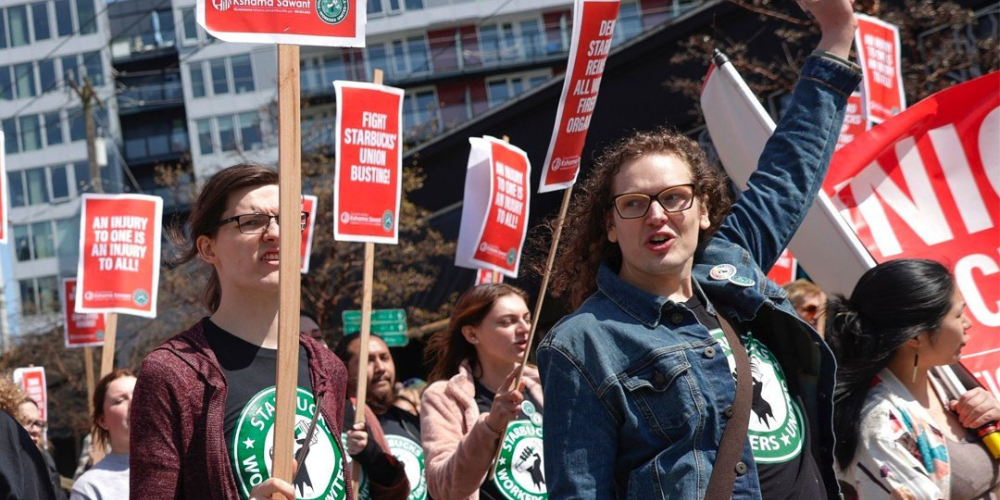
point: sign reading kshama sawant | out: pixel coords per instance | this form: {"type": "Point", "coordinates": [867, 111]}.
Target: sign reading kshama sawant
{"type": "Point", "coordinates": [329, 23]}
{"type": "Point", "coordinates": [495, 207]}
{"type": "Point", "coordinates": [369, 164]}
{"type": "Point", "coordinates": [81, 329]}
{"type": "Point", "coordinates": [593, 29]}
{"type": "Point", "coordinates": [926, 184]}
{"type": "Point", "coordinates": [119, 268]}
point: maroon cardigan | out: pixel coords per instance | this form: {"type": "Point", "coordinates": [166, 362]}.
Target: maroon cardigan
{"type": "Point", "coordinates": [178, 448]}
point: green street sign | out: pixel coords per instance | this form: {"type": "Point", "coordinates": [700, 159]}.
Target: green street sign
{"type": "Point", "coordinates": [389, 324]}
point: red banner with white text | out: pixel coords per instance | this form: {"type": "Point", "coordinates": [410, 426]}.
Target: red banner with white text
{"type": "Point", "coordinates": [926, 184]}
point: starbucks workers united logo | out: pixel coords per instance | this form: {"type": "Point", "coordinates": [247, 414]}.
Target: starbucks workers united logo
{"type": "Point", "coordinates": [322, 474]}
{"type": "Point", "coordinates": [332, 11]}
{"type": "Point", "coordinates": [520, 469]}
{"type": "Point", "coordinates": [411, 454]}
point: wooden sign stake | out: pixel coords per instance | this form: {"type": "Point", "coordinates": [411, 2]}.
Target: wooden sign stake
{"type": "Point", "coordinates": [290, 204]}
{"type": "Point", "coordinates": [108, 351]}
{"type": "Point", "coordinates": [538, 305]}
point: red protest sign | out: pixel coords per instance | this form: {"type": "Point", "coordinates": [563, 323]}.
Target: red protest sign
{"type": "Point", "coordinates": [369, 165]}
{"type": "Point", "coordinates": [495, 207]}
{"type": "Point", "coordinates": [309, 205]}
{"type": "Point", "coordinates": [32, 382]}
{"type": "Point", "coordinates": [926, 184]}
{"type": "Point", "coordinates": [484, 276]}
{"type": "Point", "coordinates": [878, 53]}
{"type": "Point", "coordinates": [119, 267]}
{"type": "Point", "coordinates": [593, 28]}
{"type": "Point", "coordinates": [3, 191]}
{"type": "Point", "coordinates": [81, 329]}
{"type": "Point", "coordinates": [784, 270]}
{"type": "Point", "coordinates": [854, 124]}
{"type": "Point", "coordinates": [330, 23]}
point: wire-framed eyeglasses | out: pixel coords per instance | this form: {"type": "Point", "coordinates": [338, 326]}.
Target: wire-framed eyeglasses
{"type": "Point", "coordinates": [672, 199]}
{"type": "Point", "coordinates": [257, 223]}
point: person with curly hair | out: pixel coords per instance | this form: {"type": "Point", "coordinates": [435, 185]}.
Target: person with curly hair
{"type": "Point", "coordinates": [24, 472]}
{"type": "Point", "coordinates": [639, 382]}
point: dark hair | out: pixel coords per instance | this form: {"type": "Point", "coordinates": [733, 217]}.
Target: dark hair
{"type": "Point", "coordinates": [207, 211]}
{"type": "Point", "coordinates": [343, 344]}
{"type": "Point", "coordinates": [448, 348]}
{"type": "Point", "coordinates": [585, 244]}
{"type": "Point", "coordinates": [892, 303]}
{"type": "Point", "coordinates": [101, 435]}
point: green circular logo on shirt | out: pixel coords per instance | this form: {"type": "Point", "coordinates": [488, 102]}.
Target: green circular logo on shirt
{"type": "Point", "coordinates": [776, 422]}
{"type": "Point", "coordinates": [360, 476]}
{"type": "Point", "coordinates": [332, 11]}
{"type": "Point", "coordinates": [520, 473]}
{"type": "Point", "coordinates": [411, 454]}
{"type": "Point", "coordinates": [321, 476]}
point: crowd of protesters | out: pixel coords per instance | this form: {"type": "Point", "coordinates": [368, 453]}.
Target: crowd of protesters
{"type": "Point", "coordinates": [682, 372]}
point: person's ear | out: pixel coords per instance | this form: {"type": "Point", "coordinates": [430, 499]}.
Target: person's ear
{"type": "Point", "coordinates": [102, 422]}
{"type": "Point", "coordinates": [206, 249]}
{"type": "Point", "coordinates": [469, 332]}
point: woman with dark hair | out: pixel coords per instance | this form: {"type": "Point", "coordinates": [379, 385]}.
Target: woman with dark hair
{"type": "Point", "coordinates": [895, 434]}
{"type": "Point", "coordinates": [110, 426]}
{"type": "Point", "coordinates": [203, 417]}
{"type": "Point", "coordinates": [469, 401]}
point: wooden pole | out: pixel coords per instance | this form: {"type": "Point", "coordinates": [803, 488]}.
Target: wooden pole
{"type": "Point", "coordinates": [538, 304]}
{"type": "Point", "coordinates": [88, 368]}
{"type": "Point", "coordinates": [290, 204]}
{"type": "Point", "coordinates": [108, 351]}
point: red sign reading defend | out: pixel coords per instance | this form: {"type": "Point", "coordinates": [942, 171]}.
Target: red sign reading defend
{"type": "Point", "coordinates": [82, 330]}
{"type": "Point", "coordinates": [369, 163]}
{"type": "Point", "coordinates": [330, 23]}
{"type": "Point", "coordinates": [593, 28]}
{"type": "Point", "coordinates": [119, 268]}
{"type": "Point", "coordinates": [878, 53]}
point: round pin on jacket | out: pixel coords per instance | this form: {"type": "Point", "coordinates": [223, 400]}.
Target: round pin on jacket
{"type": "Point", "coordinates": [741, 281]}
{"type": "Point", "coordinates": [722, 271]}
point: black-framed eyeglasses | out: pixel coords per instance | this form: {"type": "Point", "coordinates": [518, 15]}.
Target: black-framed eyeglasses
{"type": "Point", "coordinates": [258, 223]}
{"type": "Point", "coordinates": [672, 199]}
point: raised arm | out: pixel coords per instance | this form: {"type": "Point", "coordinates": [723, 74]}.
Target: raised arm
{"type": "Point", "coordinates": [794, 162]}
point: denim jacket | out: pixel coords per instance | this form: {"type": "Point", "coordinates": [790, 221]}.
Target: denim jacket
{"type": "Point", "coordinates": [636, 397]}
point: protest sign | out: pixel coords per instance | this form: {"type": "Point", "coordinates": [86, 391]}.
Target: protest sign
{"type": "Point", "coordinates": [81, 329]}
{"type": "Point", "coordinates": [877, 43]}
{"type": "Point", "coordinates": [329, 23]}
{"type": "Point", "coordinates": [784, 270]}
{"type": "Point", "coordinates": [495, 207]}
{"type": "Point", "coordinates": [926, 184]}
{"type": "Point", "coordinates": [593, 28]}
{"type": "Point", "coordinates": [855, 123]}
{"type": "Point", "coordinates": [119, 268]}
{"type": "Point", "coordinates": [32, 383]}
{"type": "Point", "coordinates": [825, 244]}
{"type": "Point", "coordinates": [309, 206]}
{"type": "Point", "coordinates": [3, 191]}
{"type": "Point", "coordinates": [369, 164]}
{"type": "Point", "coordinates": [484, 276]}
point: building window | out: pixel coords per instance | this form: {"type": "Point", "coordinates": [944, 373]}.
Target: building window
{"type": "Point", "coordinates": [220, 80]}
{"type": "Point", "coordinates": [376, 59]}
{"type": "Point", "coordinates": [414, 4]}
{"type": "Point", "coordinates": [53, 128]}
{"type": "Point", "coordinates": [250, 135]}
{"type": "Point", "coordinates": [24, 76]}
{"type": "Point", "coordinates": [227, 133]}
{"type": "Point", "coordinates": [10, 136]}
{"type": "Point", "coordinates": [333, 69]}
{"type": "Point", "coordinates": [629, 23]}
{"type": "Point", "coordinates": [6, 82]}
{"type": "Point", "coordinates": [47, 75]}
{"type": "Point", "coordinates": [87, 16]}
{"type": "Point", "coordinates": [189, 24]}
{"type": "Point", "coordinates": [17, 17]}
{"type": "Point", "coordinates": [64, 18]}
{"type": "Point", "coordinates": [418, 57]}
{"type": "Point", "coordinates": [81, 173]}
{"type": "Point", "coordinates": [60, 182]}
{"type": "Point", "coordinates": [3, 31]}
{"type": "Point", "coordinates": [39, 296]}
{"type": "Point", "coordinates": [420, 112]}
{"type": "Point", "coordinates": [16, 189]}
{"type": "Point", "coordinates": [94, 67]}
{"type": "Point", "coordinates": [69, 69]}
{"type": "Point", "coordinates": [374, 8]}
{"type": "Point", "coordinates": [40, 20]}
{"type": "Point", "coordinates": [22, 242]}
{"type": "Point", "coordinates": [37, 189]}
{"type": "Point", "coordinates": [68, 238]}
{"type": "Point", "coordinates": [503, 89]}
{"type": "Point", "coordinates": [204, 136]}
{"type": "Point", "coordinates": [77, 125]}
{"type": "Point", "coordinates": [31, 133]}
{"type": "Point", "coordinates": [197, 79]}
{"type": "Point", "coordinates": [242, 74]}
{"type": "Point", "coordinates": [42, 241]}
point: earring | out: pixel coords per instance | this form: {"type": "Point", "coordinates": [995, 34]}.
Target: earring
{"type": "Point", "coordinates": [916, 357]}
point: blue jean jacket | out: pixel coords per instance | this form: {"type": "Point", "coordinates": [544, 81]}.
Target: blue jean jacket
{"type": "Point", "coordinates": [635, 395]}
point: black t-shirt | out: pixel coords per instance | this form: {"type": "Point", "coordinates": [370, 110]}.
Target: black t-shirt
{"type": "Point", "coordinates": [249, 416]}
{"type": "Point", "coordinates": [778, 431]}
{"type": "Point", "coordinates": [520, 473]}
{"type": "Point", "coordinates": [402, 431]}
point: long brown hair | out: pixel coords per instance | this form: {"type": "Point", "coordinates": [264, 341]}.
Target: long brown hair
{"type": "Point", "coordinates": [585, 245]}
{"type": "Point", "coordinates": [449, 348]}
{"type": "Point", "coordinates": [207, 211]}
{"type": "Point", "coordinates": [101, 435]}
